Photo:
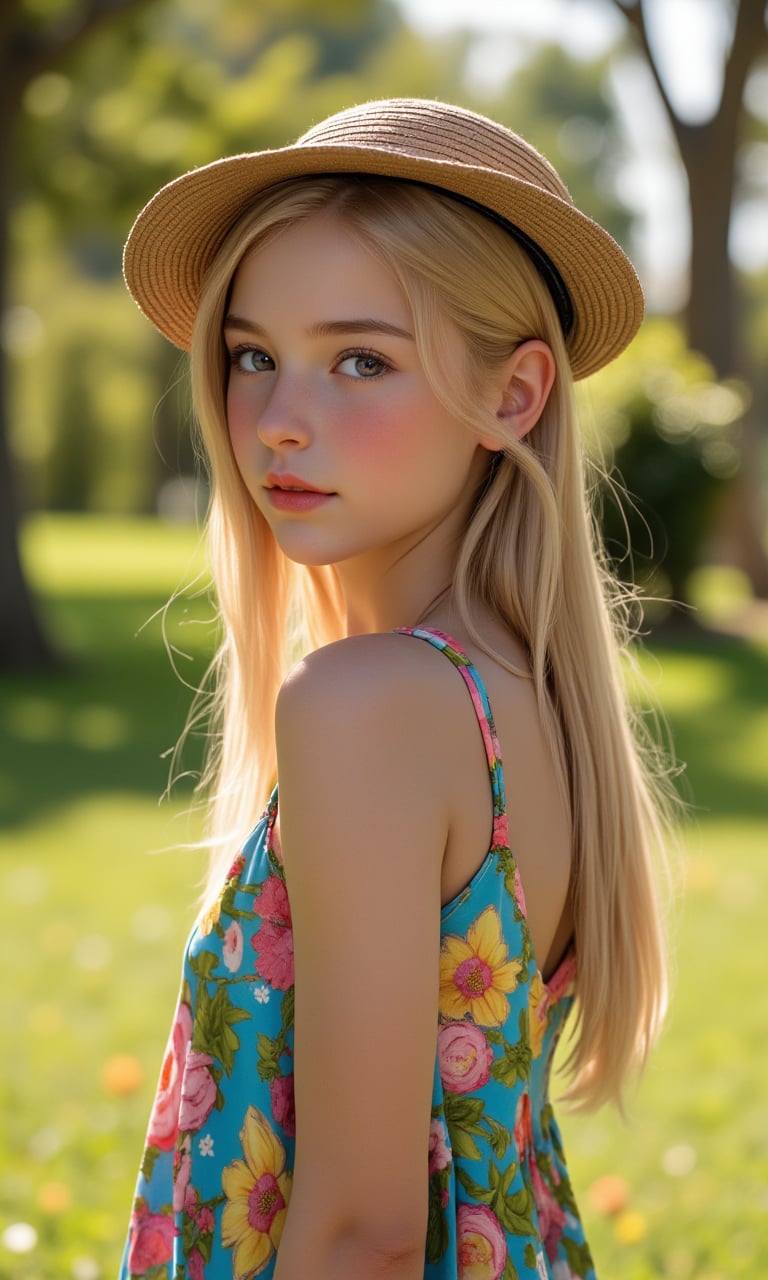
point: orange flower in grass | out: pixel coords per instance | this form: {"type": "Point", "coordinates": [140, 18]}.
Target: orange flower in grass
{"type": "Point", "coordinates": [257, 1190]}
{"type": "Point", "coordinates": [475, 974]}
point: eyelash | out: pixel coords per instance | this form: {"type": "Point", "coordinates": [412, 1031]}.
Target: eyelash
{"type": "Point", "coordinates": [364, 353]}
{"type": "Point", "coordinates": [236, 352]}
{"type": "Point", "coordinates": [354, 353]}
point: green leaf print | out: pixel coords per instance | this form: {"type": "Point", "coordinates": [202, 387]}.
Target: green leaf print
{"type": "Point", "coordinates": [529, 1256]}
{"type": "Point", "coordinates": [212, 1032]}
{"type": "Point", "coordinates": [437, 1227]}
{"type": "Point", "coordinates": [287, 1007]}
{"type": "Point", "coordinates": [578, 1255]}
{"type": "Point", "coordinates": [253, 890]}
{"type": "Point", "coordinates": [188, 1234]}
{"type": "Point", "coordinates": [275, 864]}
{"type": "Point", "coordinates": [464, 1146]}
{"type": "Point", "coordinates": [498, 1137]}
{"type": "Point", "coordinates": [203, 965]}
{"type": "Point", "coordinates": [148, 1163]}
{"type": "Point", "coordinates": [510, 1271]}
{"type": "Point", "coordinates": [472, 1188]}
{"type": "Point", "coordinates": [515, 1212]}
{"type": "Point", "coordinates": [463, 1111]}
{"type": "Point", "coordinates": [227, 904]}
{"type": "Point", "coordinates": [270, 1051]}
{"type": "Point", "coordinates": [464, 1119]}
{"type": "Point", "coordinates": [516, 1063]}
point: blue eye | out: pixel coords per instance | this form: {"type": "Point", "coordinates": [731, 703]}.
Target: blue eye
{"type": "Point", "coordinates": [362, 364]}
{"type": "Point", "coordinates": [251, 360]}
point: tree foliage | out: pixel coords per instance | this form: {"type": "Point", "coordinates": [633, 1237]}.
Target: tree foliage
{"type": "Point", "coordinates": [105, 100]}
{"type": "Point", "coordinates": [670, 433]}
{"type": "Point", "coordinates": [710, 151]}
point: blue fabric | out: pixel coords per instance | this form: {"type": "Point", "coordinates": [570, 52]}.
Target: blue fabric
{"type": "Point", "coordinates": [216, 1174]}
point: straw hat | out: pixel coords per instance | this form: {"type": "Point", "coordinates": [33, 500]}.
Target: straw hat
{"type": "Point", "coordinates": [467, 156]}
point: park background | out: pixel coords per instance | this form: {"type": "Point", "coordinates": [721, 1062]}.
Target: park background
{"type": "Point", "coordinates": [656, 114]}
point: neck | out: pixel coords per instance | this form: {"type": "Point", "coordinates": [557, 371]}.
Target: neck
{"type": "Point", "coordinates": [399, 590]}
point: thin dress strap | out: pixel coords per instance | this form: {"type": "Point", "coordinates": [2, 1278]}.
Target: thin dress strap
{"type": "Point", "coordinates": [479, 695]}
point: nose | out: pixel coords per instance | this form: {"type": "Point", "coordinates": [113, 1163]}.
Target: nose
{"type": "Point", "coordinates": [284, 419]}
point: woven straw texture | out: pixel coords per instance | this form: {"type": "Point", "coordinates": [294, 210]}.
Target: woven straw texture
{"type": "Point", "coordinates": [176, 237]}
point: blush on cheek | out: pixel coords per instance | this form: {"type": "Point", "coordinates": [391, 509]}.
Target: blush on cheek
{"type": "Point", "coordinates": [376, 439]}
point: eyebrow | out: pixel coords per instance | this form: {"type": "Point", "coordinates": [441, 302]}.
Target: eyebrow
{"type": "Point", "coordinates": [328, 327]}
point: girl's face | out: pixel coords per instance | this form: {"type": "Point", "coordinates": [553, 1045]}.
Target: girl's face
{"type": "Point", "coordinates": [343, 445]}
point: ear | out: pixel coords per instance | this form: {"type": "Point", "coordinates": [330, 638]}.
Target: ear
{"type": "Point", "coordinates": [522, 388]}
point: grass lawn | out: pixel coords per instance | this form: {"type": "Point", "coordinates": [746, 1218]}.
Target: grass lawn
{"type": "Point", "coordinates": [96, 901]}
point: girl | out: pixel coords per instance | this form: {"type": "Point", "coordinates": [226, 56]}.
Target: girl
{"type": "Point", "coordinates": [385, 321]}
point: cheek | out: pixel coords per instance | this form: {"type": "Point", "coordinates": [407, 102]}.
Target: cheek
{"type": "Point", "coordinates": [390, 436]}
{"type": "Point", "coordinates": [240, 425]}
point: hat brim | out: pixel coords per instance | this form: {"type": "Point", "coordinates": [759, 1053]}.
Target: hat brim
{"type": "Point", "coordinates": [176, 237]}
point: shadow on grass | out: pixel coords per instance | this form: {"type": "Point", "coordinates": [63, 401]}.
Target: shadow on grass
{"type": "Point", "coordinates": [720, 726]}
{"type": "Point", "coordinates": [103, 722]}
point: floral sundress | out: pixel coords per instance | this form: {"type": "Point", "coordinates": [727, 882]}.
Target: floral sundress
{"type": "Point", "coordinates": [215, 1180]}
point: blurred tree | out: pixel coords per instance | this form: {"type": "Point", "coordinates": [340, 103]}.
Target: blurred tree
{"type": "Point", "coordinates": [708, 151]}
{"type": "Point", "coordinates": [561, 104]}
{"type": "Point", "coordinates": [673, 433]}
{"type": "Point", "coordinates": [31, 41]}
{"type": "Point", "coordinates": [94, 125]}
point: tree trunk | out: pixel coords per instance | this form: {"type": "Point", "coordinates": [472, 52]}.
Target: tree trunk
{"type": "Point", "coordinates": [22, 640]}
{"type": "Point", "coordinates": [712, 322]}
{"type": "Point", "coordinates": [713, 314]}
{"type": "Point", "coordinates": [23, 56]}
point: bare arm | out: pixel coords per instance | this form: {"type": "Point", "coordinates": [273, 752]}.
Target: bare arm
{"type": "Point", "coordinates": [363, 824]}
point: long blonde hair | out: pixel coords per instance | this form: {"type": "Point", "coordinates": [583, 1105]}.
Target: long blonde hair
{"type": "Point", "coordinates": [530, 553]}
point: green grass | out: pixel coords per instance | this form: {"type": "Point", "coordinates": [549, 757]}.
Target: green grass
{"type": "Point", "coordinates": [94, 921]}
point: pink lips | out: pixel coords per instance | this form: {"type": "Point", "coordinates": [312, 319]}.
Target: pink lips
{"type": "Point", "coordinates": [287, 492]}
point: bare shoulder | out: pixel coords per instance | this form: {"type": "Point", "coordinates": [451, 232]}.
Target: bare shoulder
{"type": "Point", "coordinates": [363, 838]}
{"type": "Point", "coordinates": [382, 718]}
{"type": "Point", "coordinates": [392, 678]}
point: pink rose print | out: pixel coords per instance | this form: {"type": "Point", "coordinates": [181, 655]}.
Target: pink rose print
{"type": "Point", "coordinates": [519, 894]}
{"type": "Point", "coordinates": [182, 1168]}
{"type": "Point", "coordinates": [500, 837]}
{"type": "Point", "coordinates": [237, 867]}
{"type": "Point", "coordinates": [232, 949]}
{"type": "Point", "coordinates": [272, 903]}
{"type": "Point", "coordinates": [195, 1265]}
{"type": "Point", "coordinates": [198, 1092]}
{"type": "Point", "coordinates": [205, 1220]}
{"type": "Point", "coordinates": [152, 1236]}
{"type": "Point", "coordinates": [551, 1216]}
{"type": "Point", "coordinates": [273, 939]}
{"type": "Point", "coordinates": [465, 1057]}
{"type": "Point", "coordinates": [283, 1106]}
{"type": "Point", "coordinates": [164, 1121]}
{"type": "Point", "coordinates": [439, 1153]}
{"type": "Point", "coordinates": [482, 1249]}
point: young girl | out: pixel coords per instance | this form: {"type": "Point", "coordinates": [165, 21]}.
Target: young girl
{"type": "Point", "coordinates": [385, 321]}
